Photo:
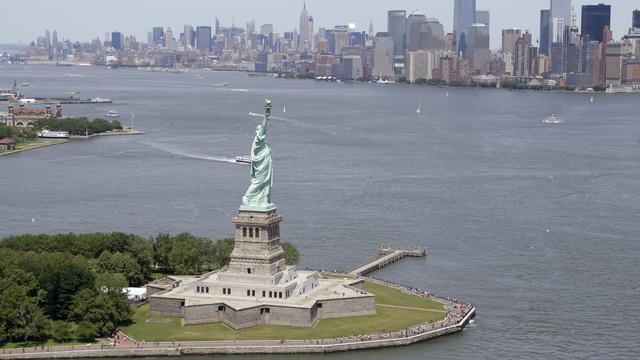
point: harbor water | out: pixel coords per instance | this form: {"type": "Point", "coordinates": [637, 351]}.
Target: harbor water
{"type": "Point", "coordinates": [535, 224]}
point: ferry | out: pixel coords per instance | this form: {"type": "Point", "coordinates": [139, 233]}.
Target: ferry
{"type": "Point", "coordinates": [243, 159]}
{"type": "Point", "coordinates": [552, 120]}
{"type": "Point", "coordinates": [113, 113]}
{"type": "Point", "coordinates": [99, 100]}
{"type": "Point", "coordinates": [46, 134]}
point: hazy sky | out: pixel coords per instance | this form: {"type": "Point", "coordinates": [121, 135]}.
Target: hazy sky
{"type": "Point", "coordinates": [25, 20]}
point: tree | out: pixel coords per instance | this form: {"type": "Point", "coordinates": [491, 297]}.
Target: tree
{"type": "Point", "coordinates": [86, 331]}
{"type": "Point", "coordinates": [291, 254]}
{"type": "Point", "coordinates": [60, 331]}
{"type": "Point", "coordinates": [123, 264]}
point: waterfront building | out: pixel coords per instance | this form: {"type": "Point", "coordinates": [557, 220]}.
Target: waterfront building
{"type": "Point", "coordinates": [545, 25]}
{"type": "Point", "coordinates": [203, 38]}
{"type": "Point", "coordinates": [27, 117]}
{"type": "Point", "coordinates": [464, 15]}
{"type": "Point", "coordinates": [617, 53]}
{"type": "Point", "coordinates": [116, 40]}
{"type": "Point", "coordinates": [636, 19]}
{"type": "Point", "coordinates": [478, 51]}
{"type": "Point", "coordinates": [158, 36]}
{"type": "Point", "coordinates": [416, 31]}
{"type": "Point", "coordinates": [352, 67]}
{"type": "Point", "coordinates": [594, 20]}
{"type": "Point", "coordinates": [521, 56]}
{"type": "Point", "coordinates": [7, 144]}
{"type": "Point", "coordinates": [257, 287]}
{"type": "Point", "coordinates": [422, 63]}
{"type": "Point", "coordinates": [509, 38]}
{"type": "Point", "coordinates": [337, 39]}
{"type": "Point", "coordinates": [383, 56]}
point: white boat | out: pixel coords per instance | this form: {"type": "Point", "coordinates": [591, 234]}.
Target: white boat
{"type": "Point", "coordinates": [99, 100]}
{"type": "Point", "coordinates": [25, 84]}
{"type": "Point", "coordinates": [46, 134]}
{"type": "Point", "coordinates": [284, 109]}
{"type": "Point", "coordinates": [552, 120]}
{"type": "Point", "coordinates": [447, 94]}
{"type": "Point", "coordinates": [419, 109]}
{"type": "Point", "coordinates": [113, 113]}
{"type": "Point", "coordinates": [243, 159]}
{"type": "Point", "coordinates": [592, 99]}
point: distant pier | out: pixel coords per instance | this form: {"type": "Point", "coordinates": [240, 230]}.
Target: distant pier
{"type": "Point", "coordinates": [387, 255]}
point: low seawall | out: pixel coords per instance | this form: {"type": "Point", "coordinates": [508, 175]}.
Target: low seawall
{"type": "Point", "coordinates": [242, 347]}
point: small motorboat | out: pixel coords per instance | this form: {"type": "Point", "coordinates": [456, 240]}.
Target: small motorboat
{"type": "Point", "coordinates": [552, 120]}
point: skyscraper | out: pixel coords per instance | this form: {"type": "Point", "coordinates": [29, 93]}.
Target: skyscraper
{"type": "Point", "coordinates": [383, 55]}
{"type": "Point", "coordinates": [594, 19]}
{"type": "Point", "coordinates": [158, 36]}
{"type": "Point", "coordinates": [464, 15]}
{"type": "Point", "coordinates": [434, 35]}
{"type": "Point", "coordinates": [477, 51]}
{"type": "Point", "coordinates": [416, 27]}
{"type": "Point", "coordinates": [636, 19]}
{"type": "Point", "coordinates": [397, 29]}
{"type": "Point", "coordinates": [305, 31]}
{"type": "Point", "coordinates": [116, 40]}
{"type": "Point", "coordinates": [203, 38]}
{"type": "Point", "coordinates": [47, 39]}
{"type": "Point", "coordinates": [188, 36]}
{"type": "Point", "coordinates": [561, 9]}
{"type": "Point", "coordinates": [54, 39]}
{"type": "Point", "coordinates": [545, 23]}
{"type": "Point", "coordinates": [509, 38]}
{"type": "Point", "coordinates": [484, 17]}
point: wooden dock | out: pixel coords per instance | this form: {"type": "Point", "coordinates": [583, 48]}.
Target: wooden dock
{"type": "Point", "coordinates": [387, 255]}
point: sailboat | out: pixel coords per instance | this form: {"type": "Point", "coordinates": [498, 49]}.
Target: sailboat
{"type": "Point", "coordinates": [447, 94]}
{"type": "Point", "coordinates": [592, 99]}
{"type": "Point", "coordinates": [284, 109]}
{"type": "Point", "coordinates": [419, 109]}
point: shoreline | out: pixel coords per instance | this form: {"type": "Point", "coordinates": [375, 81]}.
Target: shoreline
{"type": "Point", "coordinates": [33, 145]}
{"type": "Point", "coordinates": [415, 334]}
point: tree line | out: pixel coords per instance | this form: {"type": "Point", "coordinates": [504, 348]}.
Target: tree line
{"type": "Point", "coordinates": [69, 286]}
{"type": "Point", "coordinates": [16, 134]}
{"type": "Point", "coordinates": [78, 126]}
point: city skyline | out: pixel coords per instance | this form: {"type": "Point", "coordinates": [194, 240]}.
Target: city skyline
{"type": "Point", "coordinates": [140, 17]}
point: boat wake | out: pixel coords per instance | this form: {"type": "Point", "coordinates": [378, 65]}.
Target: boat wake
{"type": "Point", "coordinates": [239, 90]}
{"type": "Point", "coordinates": [193, 156]}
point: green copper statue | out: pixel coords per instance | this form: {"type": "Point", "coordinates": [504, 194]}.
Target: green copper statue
{"type": "Point", "coordinates": [258, 196]}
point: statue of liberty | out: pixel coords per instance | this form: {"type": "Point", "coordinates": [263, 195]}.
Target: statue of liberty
{"type": "Point", "coordinates": [258, 195]}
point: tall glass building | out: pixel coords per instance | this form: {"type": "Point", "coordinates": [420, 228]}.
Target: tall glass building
{"type": "Point", "coordinates": [464, 15]}
{"type": "Point", "coordinates": [545, 23]}
{"type": "Point", "coordinates": [594, 19]}
{"type": "Point", "coordinates": [397, 29]}
{"type": "Point", "coordinates": [636, 19]}
{"type": "Point", "coordinates": [203, 38]}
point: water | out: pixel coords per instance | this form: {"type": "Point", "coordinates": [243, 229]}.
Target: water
{"type": "Point", "coordinates": [537, 225]}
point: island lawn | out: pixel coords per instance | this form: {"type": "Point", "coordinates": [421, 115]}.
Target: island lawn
{"type": "Point", "coordinates": [395, 311]}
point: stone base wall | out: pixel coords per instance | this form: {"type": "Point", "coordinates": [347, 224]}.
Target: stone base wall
{"type": "Point", "coordinates": [266, 314]}
{"type": "Point", "coordinates": [347, 307]}
{"type": "Point", "coordinates": [165, 307]}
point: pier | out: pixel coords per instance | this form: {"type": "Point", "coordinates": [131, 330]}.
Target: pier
{"type": "Point", "coordinates": [387, 255]}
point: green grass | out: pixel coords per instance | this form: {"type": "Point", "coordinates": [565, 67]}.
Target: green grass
{"type": "Point", "coordinates": [18, 345]}
{"type": "Point", "coordinates": [387, 319]}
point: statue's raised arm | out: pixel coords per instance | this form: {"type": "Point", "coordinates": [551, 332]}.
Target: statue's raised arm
{"type": "Point", "coordinates": [258, 195]}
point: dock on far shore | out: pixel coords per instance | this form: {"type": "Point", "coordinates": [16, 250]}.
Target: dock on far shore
{"type": "Point", "coordinates": [387, 255]}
